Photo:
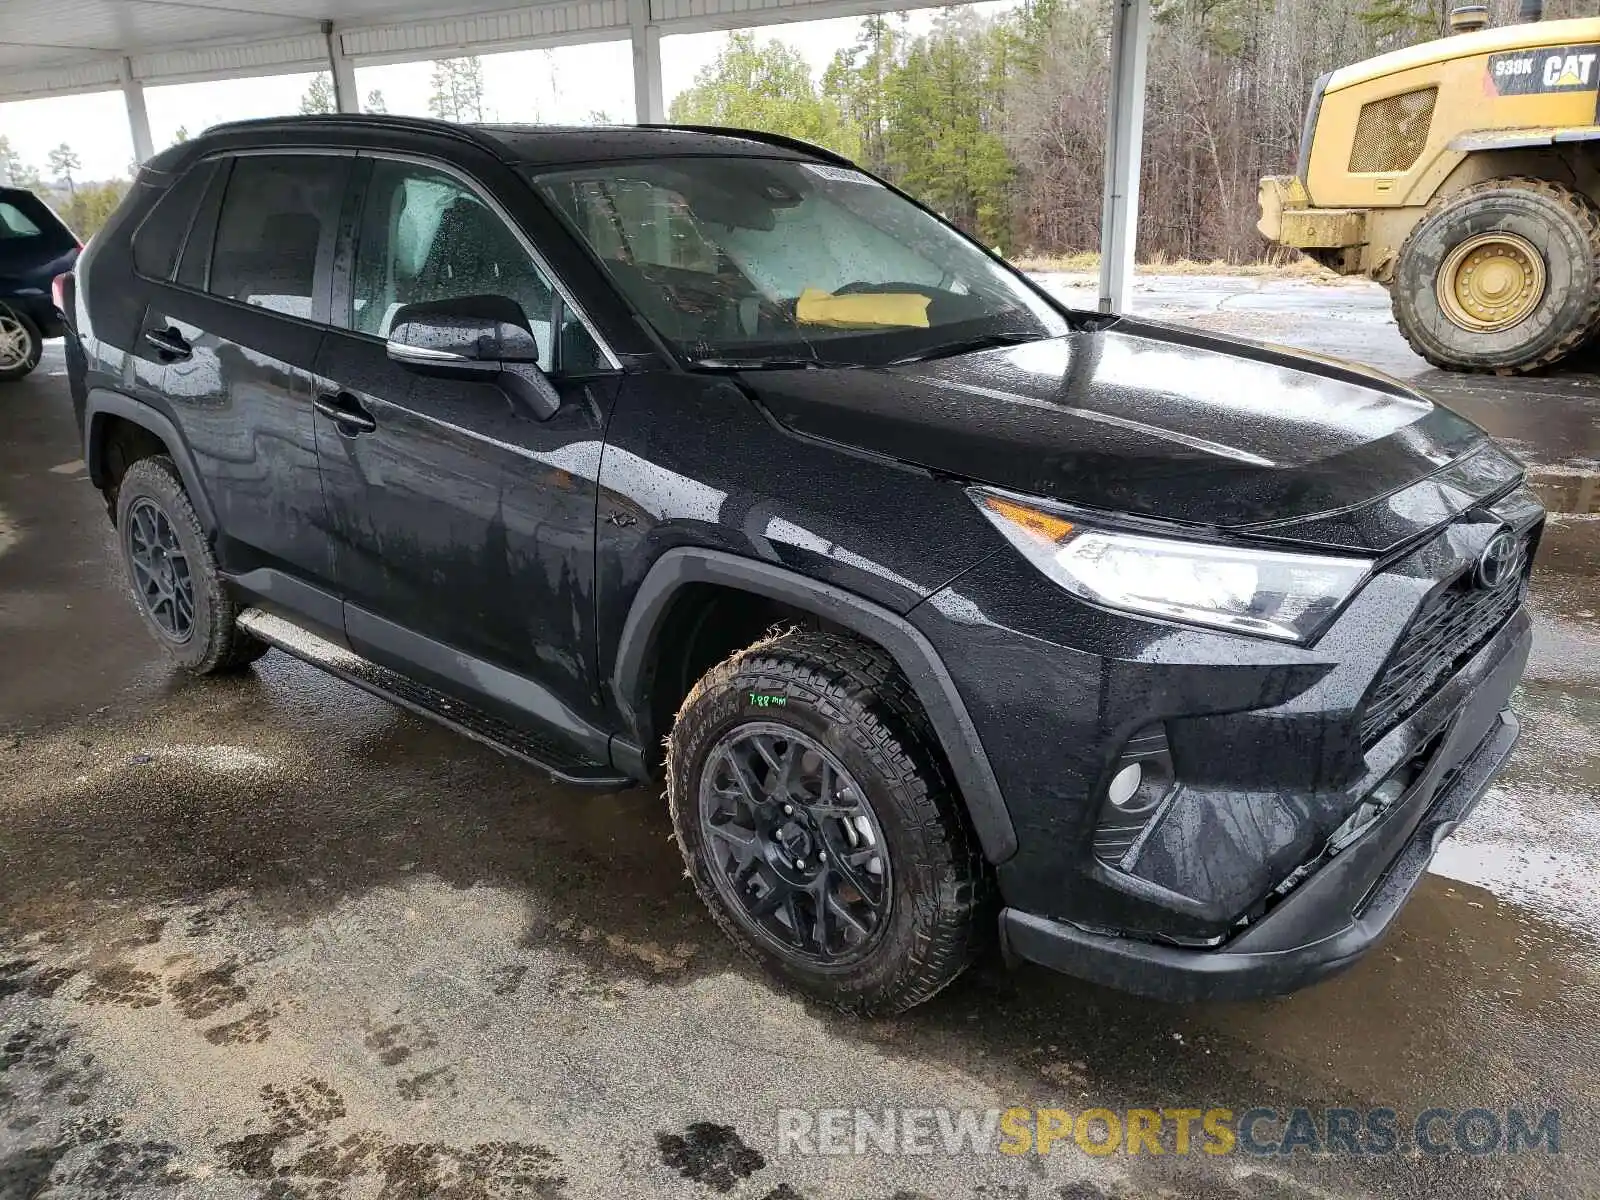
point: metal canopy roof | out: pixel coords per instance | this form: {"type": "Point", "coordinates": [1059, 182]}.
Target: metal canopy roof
{"type": "Point", "coordinates": [60, 47]}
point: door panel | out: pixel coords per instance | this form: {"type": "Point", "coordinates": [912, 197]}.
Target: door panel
{"type": "Point", "coordinates": [455, 517]}
{"type": "Point", "coordinates": [242, 397]}
{"type": "Point", "coordinates": [464, 521]}
{"type": "Point", "coordinates": [238, 335]}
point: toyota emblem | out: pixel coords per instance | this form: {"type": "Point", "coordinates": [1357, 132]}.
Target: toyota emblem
{"type": "Point", "coordinates": [1498, 561]}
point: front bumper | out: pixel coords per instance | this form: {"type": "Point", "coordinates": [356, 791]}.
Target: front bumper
{"type": "Point", "coordinates": [1289, 218]}
{"type": "Point", "coordinates": [1344, 908]}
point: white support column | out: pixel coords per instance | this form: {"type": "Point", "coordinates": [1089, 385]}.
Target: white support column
{"type": "Point", "coordinates": [138, 119]}
{"type": "Point", "coordinates": [1119, 215]}
{"type": "Point", "coordinates": [345, 96]}
{"type": "Point", "coordinates": [649, 107]}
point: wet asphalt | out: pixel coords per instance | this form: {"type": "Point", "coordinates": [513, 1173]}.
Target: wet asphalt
{"type": "Point", "coordinates": [272, 937]}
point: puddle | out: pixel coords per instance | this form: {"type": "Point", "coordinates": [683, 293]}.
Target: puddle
{"type": "Point", "coordinates": [1575, 493]}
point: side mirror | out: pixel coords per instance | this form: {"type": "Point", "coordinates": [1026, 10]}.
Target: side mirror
{"type": "Point", "coordinates": [474, 337]}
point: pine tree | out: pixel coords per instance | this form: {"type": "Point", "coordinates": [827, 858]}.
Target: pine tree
{"type": "Point", "coordinates": [766, 87]}
{"type": "Point", "coordinates": [457, 89]}
{"type": "Point", "coordinates": [63, 161]}
{"type": "Point", "coordinates": [11, 168]}
{"type": "Point", "coordinates": [319, 97]}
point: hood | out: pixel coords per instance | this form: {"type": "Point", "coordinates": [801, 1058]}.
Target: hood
{"type": "Point", "coordinates": [1160, 422]}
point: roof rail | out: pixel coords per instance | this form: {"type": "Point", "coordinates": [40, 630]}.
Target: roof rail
{"type": "Point", "coordinates": [465, 133]}
{"type": "Point", "coordinates": [758, 135]}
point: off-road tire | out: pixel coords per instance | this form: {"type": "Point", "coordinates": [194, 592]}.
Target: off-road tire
{"type": "Point", "coordinates": [1561, 223]}
{"type": "Point", "coordinates": [851, 698]}
{"type": "Point", "coordinates": [35, 340]}
{"type": "Point", "coordinates": [216, 645]}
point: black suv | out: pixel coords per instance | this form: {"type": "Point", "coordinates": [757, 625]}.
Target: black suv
{"type": "Point", "coordinates": [35, 247]}
{"type": "Point", "coordinates": [944, 611]}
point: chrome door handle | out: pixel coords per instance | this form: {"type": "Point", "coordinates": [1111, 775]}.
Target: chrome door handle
{"type": "Point", "coordinates": [344, 411]}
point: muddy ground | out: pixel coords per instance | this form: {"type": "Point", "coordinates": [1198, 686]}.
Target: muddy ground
{"type": "Point", "coordinates": [271, 937]}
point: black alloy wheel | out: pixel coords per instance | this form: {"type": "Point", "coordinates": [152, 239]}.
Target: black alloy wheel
{"type": "Point", "coordinates": [797, 849]}
{"type": "Point", "coordinates": [172, 570]}
{"type": "Point", "coordinates": [818, 822]}
{"type": "Point", "coordinates": [161, 575]}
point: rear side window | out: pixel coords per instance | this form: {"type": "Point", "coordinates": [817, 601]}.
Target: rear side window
{"type": "Point", "coordinates": [160, 235]}
{"type": "Point", "coordinates": [14, 223]}
{"type": "Point", "coordinates": [27, 227]}
{"type": "Point", "coordinates": [275, 235]}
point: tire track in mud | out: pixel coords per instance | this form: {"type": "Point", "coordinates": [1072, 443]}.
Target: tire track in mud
{"type": "Point", "coordinates": [57, 1135]}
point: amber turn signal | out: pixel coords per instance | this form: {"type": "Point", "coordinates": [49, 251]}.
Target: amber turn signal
{"type": "Point", "coordinates": [1046, 525]}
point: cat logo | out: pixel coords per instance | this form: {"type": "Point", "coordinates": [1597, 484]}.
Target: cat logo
{"type": "Point", "coordinates": [1571, 70]}
{"type": "Point", "coordinates": [1557, 69]}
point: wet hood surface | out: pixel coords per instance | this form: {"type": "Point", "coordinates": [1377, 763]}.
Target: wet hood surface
{"type": "Point", "coordinates": [1152, 421]}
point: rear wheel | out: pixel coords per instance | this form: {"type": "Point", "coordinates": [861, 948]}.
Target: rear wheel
{"type": "Point", "coordinates": [20, 344]}
{"type": "Point", "coordinates": [819, 824]}
{"type": "Point", "coordinates": [1502, 276]}
{"type": "Point", "coordinates": [173, 573]}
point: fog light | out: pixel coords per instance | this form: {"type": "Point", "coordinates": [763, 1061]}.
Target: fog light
{"type": "Point", "coordinates": [1134, 795]}
{"type": "Point", "coordinates": [1125, 785]}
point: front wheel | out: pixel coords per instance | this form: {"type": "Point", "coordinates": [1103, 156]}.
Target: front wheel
{"type": "Point", "coordinates": [20, 344]}
{"type": "Point", "coordinates": [820, 827]}
{"type": "Point", "coordinates": [1502, 276]}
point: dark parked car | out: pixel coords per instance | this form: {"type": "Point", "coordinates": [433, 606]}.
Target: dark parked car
{"type": "Point", "coordinates": [948, 614]}
{"type": "Point", "coordinates": [35, 247]}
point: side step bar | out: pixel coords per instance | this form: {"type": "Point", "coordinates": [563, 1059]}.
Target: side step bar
{"type": "Point", "coordinates": [562, 765]}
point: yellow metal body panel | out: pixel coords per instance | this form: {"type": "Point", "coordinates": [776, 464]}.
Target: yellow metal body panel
{"type": "Point", "coordinates": [1324, 228]}
{"type": "Point", "coordinates": [1523, 77]}
{"type": "Point", "coordinates": [1468, 45]}
{"type": "Point", "coordinates": [1516, 139]}
{"type": "Point", "coordinates": [1278, 194]}
{"type": "Point", "coordinates": [1288, 219]}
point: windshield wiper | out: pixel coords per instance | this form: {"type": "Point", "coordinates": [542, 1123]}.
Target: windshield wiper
{"type": "Point", "coordinates": [987, 341]}
{"type": "Point", "coordinates": [777, 362]}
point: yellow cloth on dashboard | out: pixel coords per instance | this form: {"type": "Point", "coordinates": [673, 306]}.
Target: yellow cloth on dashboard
{"type": "Point", "coordinates": [906, 309]}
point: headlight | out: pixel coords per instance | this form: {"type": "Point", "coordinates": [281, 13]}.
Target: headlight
{"type": "Point", "coordinates": [1263, 592]}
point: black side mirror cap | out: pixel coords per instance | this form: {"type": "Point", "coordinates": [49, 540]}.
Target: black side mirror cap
{"type": "Point", "coordinates": [474, 337]}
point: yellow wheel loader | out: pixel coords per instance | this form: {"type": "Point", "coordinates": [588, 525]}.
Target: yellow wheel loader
{"type": "Point", "coordinates": [1464, 175]}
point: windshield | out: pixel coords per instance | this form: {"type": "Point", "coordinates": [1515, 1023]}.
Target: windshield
{"type": "Point", "coordinates": [753, 261]}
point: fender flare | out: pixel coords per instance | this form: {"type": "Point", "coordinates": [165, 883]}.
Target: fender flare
{"type": "Point", "coordinates": [102, 403]}
{"type": "Point", "coordinates": [911, 651]}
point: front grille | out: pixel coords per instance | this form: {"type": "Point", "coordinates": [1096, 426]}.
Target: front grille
{"type": "Point", "coordinates": [1440, 639]}
{"type": "Point", "coordinates": [1391, 133]}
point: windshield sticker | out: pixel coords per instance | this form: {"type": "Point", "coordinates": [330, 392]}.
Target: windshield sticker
{"type": "Point", "coordinates": [838, 174]}
{"type": "Point", "coordinates": [1551, 69]}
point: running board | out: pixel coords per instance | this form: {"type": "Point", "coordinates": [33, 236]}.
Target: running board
{"type": "Point", "coordinates": [563, 766]}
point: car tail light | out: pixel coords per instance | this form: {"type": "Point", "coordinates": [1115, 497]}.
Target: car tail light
{"type": "Point", "coordinates": [63, 294]}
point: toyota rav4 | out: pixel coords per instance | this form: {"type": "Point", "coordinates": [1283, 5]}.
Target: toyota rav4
{"type": "Point", "coordinates": [947, 614]}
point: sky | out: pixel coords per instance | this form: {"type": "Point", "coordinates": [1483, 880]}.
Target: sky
{"type": "Point", "coordinates": [567, 84]}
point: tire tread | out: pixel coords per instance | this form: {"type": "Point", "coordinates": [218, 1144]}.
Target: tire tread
{"type": "Point", "coordinates": [1583, 212]}
{"type": "Point", "coordinates": [882, 714]}
{"type": "Point", "coordinates": [228, 648]}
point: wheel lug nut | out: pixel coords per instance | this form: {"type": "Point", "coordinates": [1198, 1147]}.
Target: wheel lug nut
{"type": "Point", "coordinates": [801, 863]}
{"type": "Point", "coordinates": [788, 810]}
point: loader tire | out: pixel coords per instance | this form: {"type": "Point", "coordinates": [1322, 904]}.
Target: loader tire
{"type": "Point", "coordinates": [1503, 276]}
